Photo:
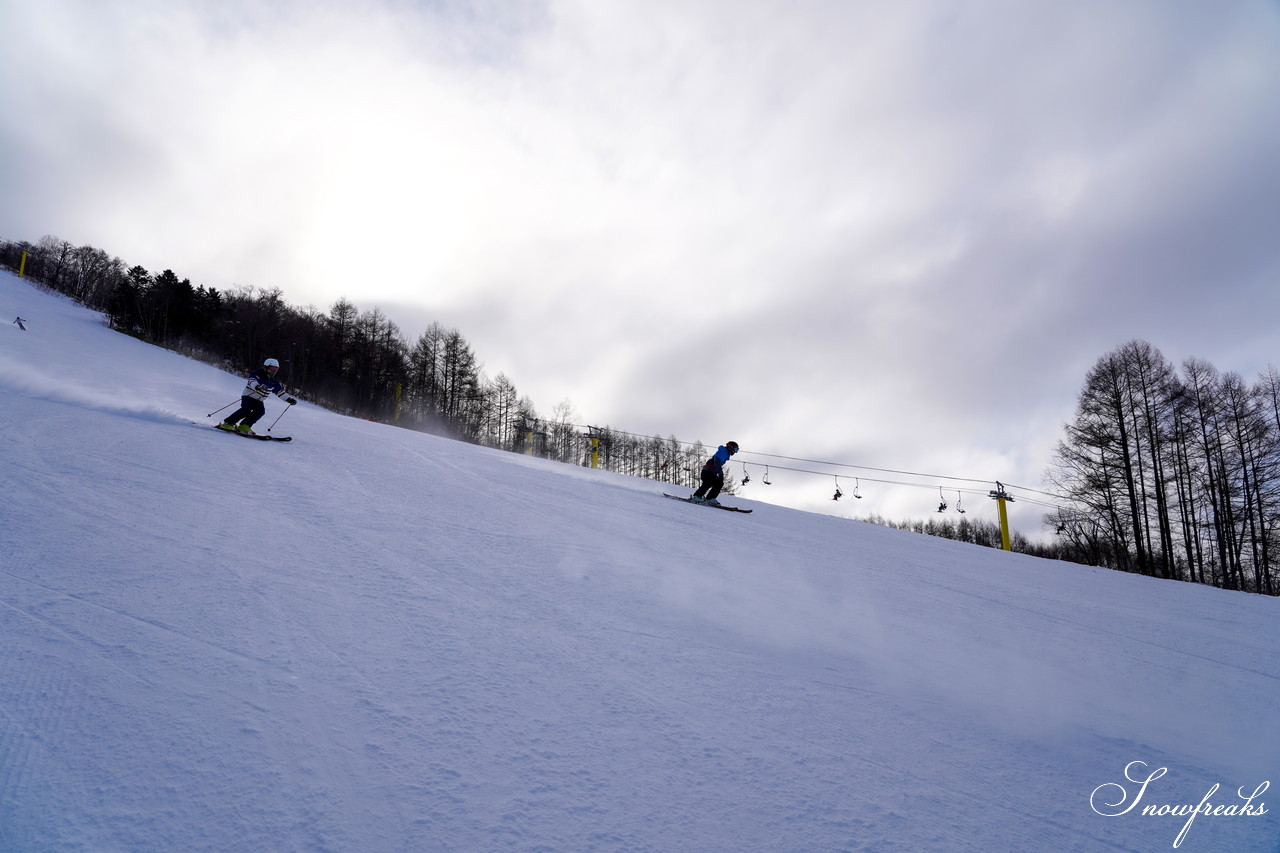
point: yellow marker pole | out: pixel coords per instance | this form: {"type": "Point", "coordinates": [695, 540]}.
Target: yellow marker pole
{"type": "Point", "coordinates": [1002, 497]}
{"type": "Point", "coordinates": [22, 268]}
{"type": "Point", "coordinates": [595, 452]}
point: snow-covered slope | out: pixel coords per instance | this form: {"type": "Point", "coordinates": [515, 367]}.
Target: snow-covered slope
{"type": "Point", "coordinates": [372, 639]}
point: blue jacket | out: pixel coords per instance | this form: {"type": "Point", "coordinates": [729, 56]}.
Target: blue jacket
{"type": "Point", "coordinates": [717, 460]}
{"type": "Point", "coordinates": [261, 384]}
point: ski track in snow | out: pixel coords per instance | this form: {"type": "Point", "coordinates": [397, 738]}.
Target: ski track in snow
{"type": "Point", "coordinates": [370, 639]}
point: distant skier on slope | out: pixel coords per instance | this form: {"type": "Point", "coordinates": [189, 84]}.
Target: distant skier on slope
{"type": "Point", "coordinates": [262, 381]}
{"type": "Point", "coordinates": [713, 474]}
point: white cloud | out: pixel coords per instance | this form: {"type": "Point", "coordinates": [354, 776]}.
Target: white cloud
{"type": "Point", "coordinates": [854, 225]}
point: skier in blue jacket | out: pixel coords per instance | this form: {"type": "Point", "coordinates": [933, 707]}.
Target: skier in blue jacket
{"type": "Point", "coordinates": [713, 474]}
{"type": "Point", "coordinates": [262, 381]}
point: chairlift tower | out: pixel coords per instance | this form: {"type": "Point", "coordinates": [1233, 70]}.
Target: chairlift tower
{"type": "Point", "coordinates": [1002, 497]}
{"type": "Point", "coordinates": [594, 435]}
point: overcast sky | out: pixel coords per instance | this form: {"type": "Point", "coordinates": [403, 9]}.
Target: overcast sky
{"type": "Point", "coordinates": [893, 235]}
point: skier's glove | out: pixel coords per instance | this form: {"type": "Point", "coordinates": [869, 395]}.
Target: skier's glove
{"type": "Point", "coordinates": [291, 401]}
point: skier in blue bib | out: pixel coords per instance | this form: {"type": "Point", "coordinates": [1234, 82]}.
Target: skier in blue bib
{"type": "Point", "coordinates": [713, 474]}
{"type": "Point", "coordinates": [262, 381]}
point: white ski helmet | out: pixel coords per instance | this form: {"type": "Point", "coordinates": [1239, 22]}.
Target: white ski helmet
{"type": "Point", "coordinates": [271, 362]}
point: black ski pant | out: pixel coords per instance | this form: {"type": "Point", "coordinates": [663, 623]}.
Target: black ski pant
{"type": "Point", "coordinates": [250, 411]}
{"type": "Point", "coordinates": [712, 483]}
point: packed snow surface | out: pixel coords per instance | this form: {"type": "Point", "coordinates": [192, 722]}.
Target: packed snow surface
{"type": "Point", "coordinates": [371, 639]}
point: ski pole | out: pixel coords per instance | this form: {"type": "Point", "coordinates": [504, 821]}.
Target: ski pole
{"type": "Point", "coordinates": [215, 411]}
{"type": "Point", "coordinates": [277, 420]}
